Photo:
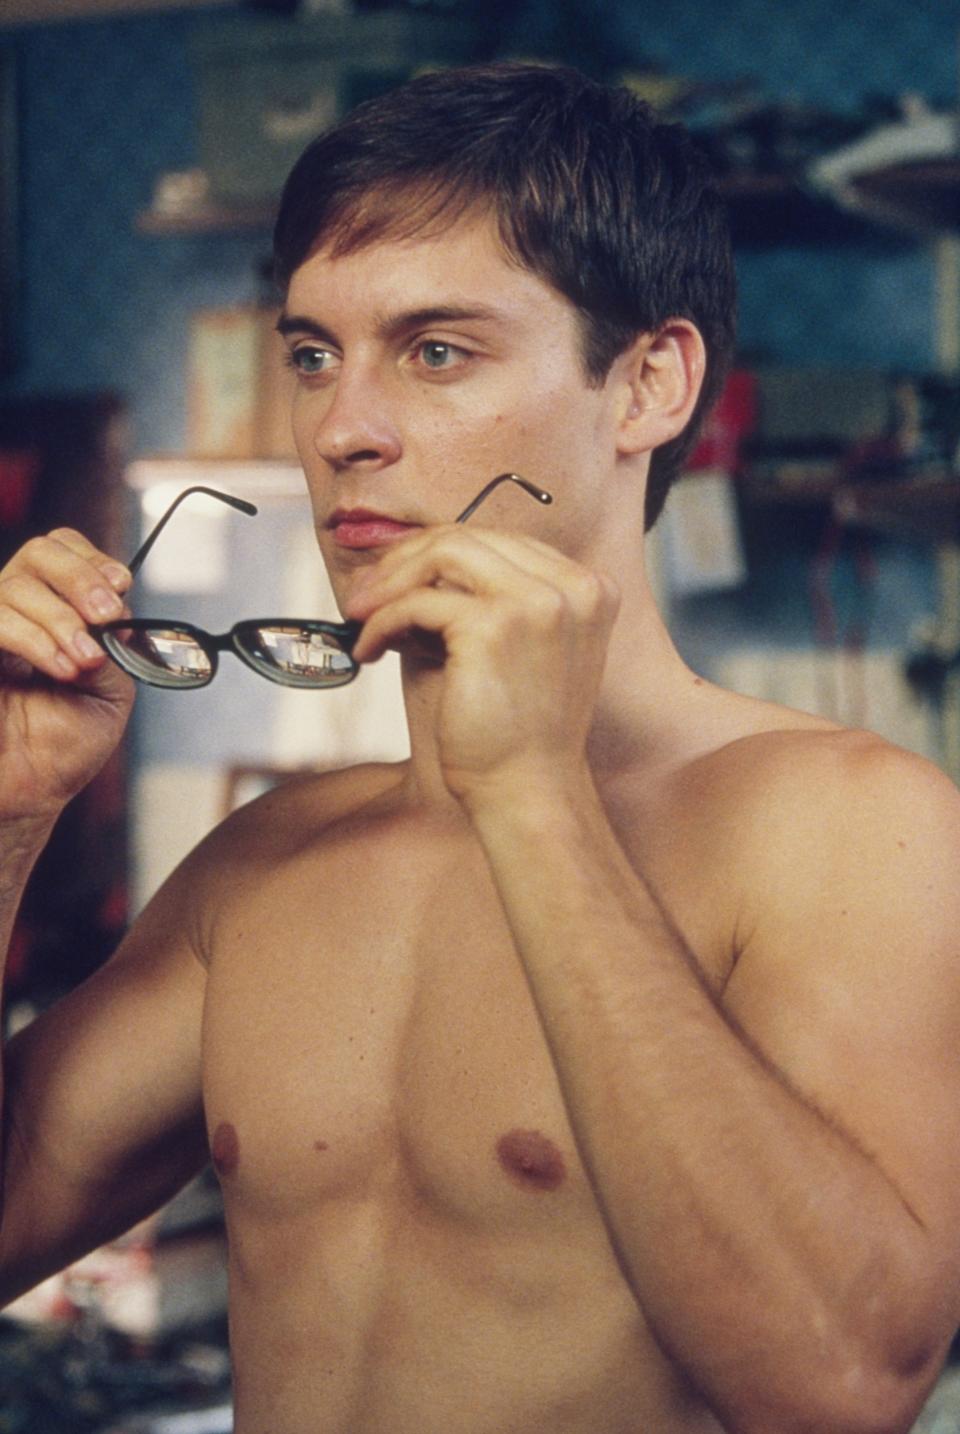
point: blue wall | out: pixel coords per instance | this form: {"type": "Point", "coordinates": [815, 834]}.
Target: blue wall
{"type": "Point", "coordinates": [106, 107]}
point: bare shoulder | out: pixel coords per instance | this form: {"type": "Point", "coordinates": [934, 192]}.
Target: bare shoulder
{"type": "Point", "coordinates": [839, 845]}
{"type": "Point", "coordinates": [802, 824]}
{"type": "Point", "coordinates": [834, 803]}
{"type": "Point", "coordinates": [298, 809]}
{"type": "Point", "coordinates": [793, 780]}
{"type": "Point", "coordinates": [267, 833]}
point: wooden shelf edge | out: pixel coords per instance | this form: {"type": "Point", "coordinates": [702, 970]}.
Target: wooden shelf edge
{"type": "Point", "coordinates": [925, 508]}
{"type": "Point", "coordinates": [212, 219]}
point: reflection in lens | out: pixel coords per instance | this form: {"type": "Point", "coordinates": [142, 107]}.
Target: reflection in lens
{"type": "Point", "coordinates": [299, 656]}
{"type": "Point", "coordinates": [164, 656]}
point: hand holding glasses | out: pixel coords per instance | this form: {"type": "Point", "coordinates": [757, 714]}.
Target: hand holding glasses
{"type": "Point", "coordinates": [296, 652]}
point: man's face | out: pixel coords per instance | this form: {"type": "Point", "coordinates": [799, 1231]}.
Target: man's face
{"type": "Point", "coordinates": [424, 368]}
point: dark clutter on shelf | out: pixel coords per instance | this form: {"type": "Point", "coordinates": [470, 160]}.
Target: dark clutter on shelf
{"type": "Point", "coordinates": [131, 1338]}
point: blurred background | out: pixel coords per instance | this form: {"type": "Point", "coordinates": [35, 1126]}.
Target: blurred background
{"type": "Point", "coordinates": [810, 554]}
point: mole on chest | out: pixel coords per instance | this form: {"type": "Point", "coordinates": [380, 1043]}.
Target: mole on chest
{"type": "Point", "coordinates": [531, 1160]}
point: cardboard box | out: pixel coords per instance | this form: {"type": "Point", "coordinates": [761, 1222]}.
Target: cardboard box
{"type": "Point", "coordinates": [240, 391]}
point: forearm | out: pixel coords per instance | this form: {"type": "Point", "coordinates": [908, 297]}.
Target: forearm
{"type": "Point", "coordinates": [767, 1250]}
{"type": "Point", "coordinates": [21, 843]}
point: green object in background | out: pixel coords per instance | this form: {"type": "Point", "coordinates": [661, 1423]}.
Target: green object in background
{"type": "Point", "coordinates": [267, 87]}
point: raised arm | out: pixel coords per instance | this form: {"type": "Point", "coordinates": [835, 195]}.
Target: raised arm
{"type": "Point", "coordinates": [101, 1106]}
{"type": "Point", "coordinates": [777, 1159]}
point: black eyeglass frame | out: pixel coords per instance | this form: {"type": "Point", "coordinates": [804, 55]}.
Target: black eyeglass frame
{"type": "Point", "coordinates": [213, 643]}
{"type": "Point", "coordinates": [344, 633]}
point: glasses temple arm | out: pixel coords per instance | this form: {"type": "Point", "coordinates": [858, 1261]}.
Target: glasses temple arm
{"type": "Point", "coordinates": [484, 493]}
{"type": "Point", "coordinates": [137, 561]}
{"type": "Point", "coordinates": [241, 504]}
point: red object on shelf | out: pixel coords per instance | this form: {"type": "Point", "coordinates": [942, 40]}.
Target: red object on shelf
{"type": "Point", "coordinates": [19, 470]}
{"type": "Point", "coordinates": [732, 417]}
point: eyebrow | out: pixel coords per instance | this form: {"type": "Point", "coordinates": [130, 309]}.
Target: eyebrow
{"type": "Point", "coordinates": [392, 325]}
{"type": "Point", "coordinates": [300, 324]}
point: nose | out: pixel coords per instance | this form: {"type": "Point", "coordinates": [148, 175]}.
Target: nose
{"type": "Point", "coordinates": [357, 429]}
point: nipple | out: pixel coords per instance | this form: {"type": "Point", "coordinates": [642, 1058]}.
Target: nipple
{"type": "Point", "coordinates": [225, 1149]}
{"type": "Point", "coordinates": [531, 1160]}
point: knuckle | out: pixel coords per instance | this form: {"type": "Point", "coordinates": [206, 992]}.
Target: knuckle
{"type": "Point", "coordinates": [588, 587]}
{"type": "Point", "coordinates": [596, 593]}
{"type": "Point", "coordinates": [66, 536]}
{"type": "Point", "coordinates": [548, 605]}
{"type": "Point", "coordinates": [22, 640]}
{"type": "Point", "coordinates": [15, 587]}
{"type": "Point", "coordinates": [42, 555]}
{"type": "Point", "coordinates": [32, 552]}
{"type": "Point", "coordinates": [609, 594]}
{"type": "Point", "coordinates": [447, 542]}
{"type": "Point", "coordinates": [496, 624]}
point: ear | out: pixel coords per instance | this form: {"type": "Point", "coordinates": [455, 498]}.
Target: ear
{"type": "Point", "coordinates": [662, 374]}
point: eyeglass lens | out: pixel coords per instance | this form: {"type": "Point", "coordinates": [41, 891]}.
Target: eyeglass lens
{"type": "Point", "coordinates": [294, 655]}
{"type": "Point", "coordinates": [163, 656]}
{"type": "Point", "coordinates": [173, 655]}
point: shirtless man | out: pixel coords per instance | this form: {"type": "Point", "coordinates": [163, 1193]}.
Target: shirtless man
{"type": "Point", "coordinates": [595, 1070]}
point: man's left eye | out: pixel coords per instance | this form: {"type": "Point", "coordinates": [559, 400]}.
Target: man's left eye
{"type": "Point", "coordinates": [438, 355]}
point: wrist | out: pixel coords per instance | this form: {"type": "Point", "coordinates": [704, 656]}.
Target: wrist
{"type": "Point", "coordinates": [22, 837]}
{"type": "Point", "coordinates": [534, 804]}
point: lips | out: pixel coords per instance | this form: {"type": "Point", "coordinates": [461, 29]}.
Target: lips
{"type": "Point", "coordinates": [365, 528]}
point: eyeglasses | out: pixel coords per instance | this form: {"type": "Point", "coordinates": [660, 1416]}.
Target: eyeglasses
{"type": "Point", "coordinates": [296, 652]}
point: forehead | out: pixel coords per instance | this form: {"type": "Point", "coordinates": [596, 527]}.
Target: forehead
{"type": "Point", "coordinates": [465, 263]}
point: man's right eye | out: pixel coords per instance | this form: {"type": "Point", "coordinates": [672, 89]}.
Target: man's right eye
{"type": "Point", "coordinates": [311, 361]}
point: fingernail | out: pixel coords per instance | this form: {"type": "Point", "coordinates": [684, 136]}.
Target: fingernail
{"type": "Point", "coordinates": [117, 576]}
{"type": "Point", "coordinates": [105, 603]}
{"type": "Point", "coordinates": [86, 646]}
{"type": "Point", "coordinates": [64, 666]}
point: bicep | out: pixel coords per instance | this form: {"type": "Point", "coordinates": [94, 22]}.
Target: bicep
{"type": "Point", "coordinates": [103, 1108]}
{"type": "Point", "coordinates": [849, 983]}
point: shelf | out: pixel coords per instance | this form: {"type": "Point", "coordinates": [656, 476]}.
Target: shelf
{"type": "Point", "coordinates": [806, 490]}
{"type": "Point", "coordinates": [763, 209]}
{"type": "Point", "coordinates": [925, 508]}
{"type": "Point", "coordinates": [905, 175]}
{"type": "Point", "coordinates": [767, 209]}
{"type": "Point", "coordinates": [211, 219]}
{"type": "Point", "coordinates": [924, 194]}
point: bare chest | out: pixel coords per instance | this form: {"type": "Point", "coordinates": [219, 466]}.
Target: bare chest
{"type": "Point", "coordinates": [369, 1032]}
{"type": "Point", "coordinates": [376, 1036]}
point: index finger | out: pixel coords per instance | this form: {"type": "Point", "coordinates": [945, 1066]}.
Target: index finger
{"type": "Point", "coordinates": [481, 560]}
{"type": "Point", "coordinates": [117, 574]}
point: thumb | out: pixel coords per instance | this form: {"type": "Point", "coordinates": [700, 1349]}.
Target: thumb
{"type": "Point", "coordinates": [108, 683]}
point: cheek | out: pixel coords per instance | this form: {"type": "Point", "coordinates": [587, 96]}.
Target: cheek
{"type": "Point", "coordinates": [303, 422]}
